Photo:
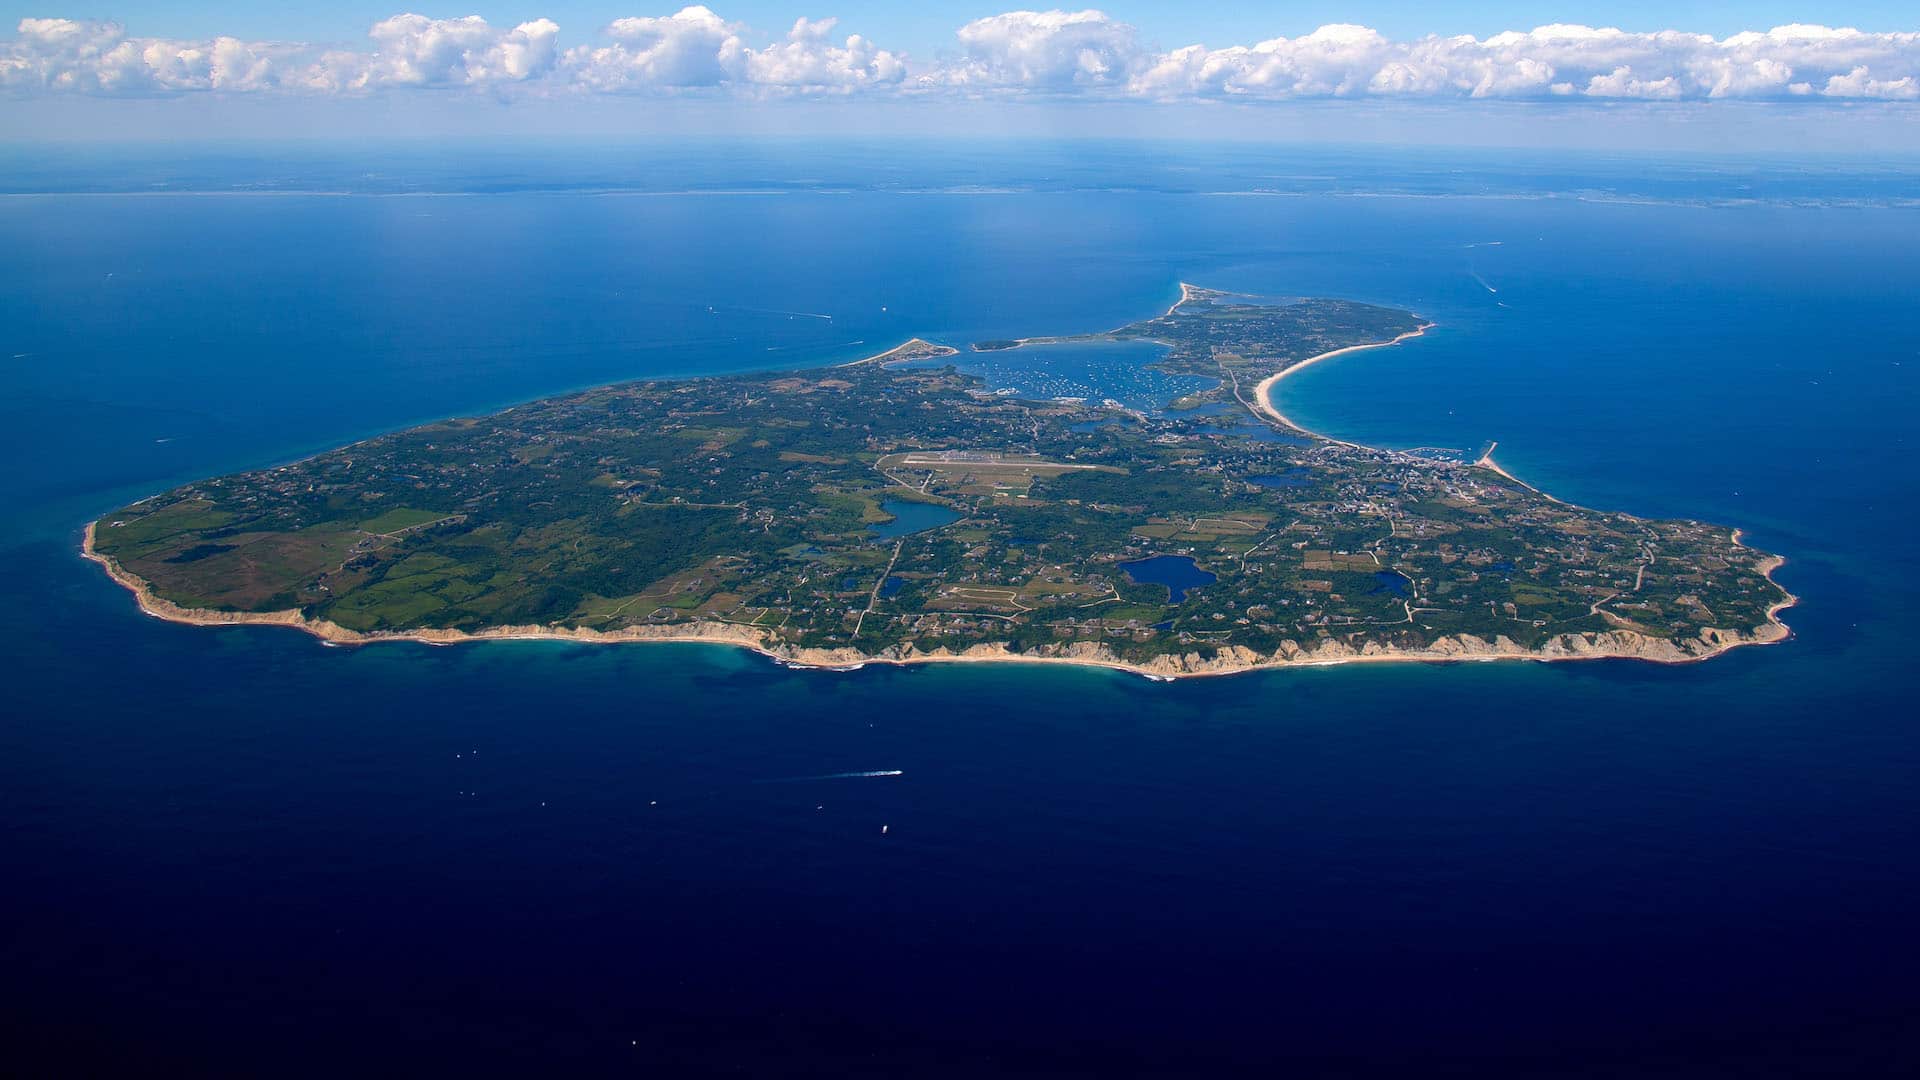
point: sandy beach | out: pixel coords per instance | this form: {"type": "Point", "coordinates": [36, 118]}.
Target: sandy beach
{"type": "Point", "coordinates": [1263, 395]}
{"type": "Point", "coordinates": [908, 350]}
{"type": "Point", "coordinates": [1591, 645]}
{"type": "Point", "coordinates": [1233, 660]}
{"type": "Point", "coordinates": [1486, 462]}
{"type": "Point", "coordinates": [1263, 392]}
{"type": "Point", "coordinates": [1187, 295]}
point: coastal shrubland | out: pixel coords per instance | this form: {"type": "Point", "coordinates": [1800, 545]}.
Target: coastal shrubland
{"type": "Point", "coordinates": [753, 509]}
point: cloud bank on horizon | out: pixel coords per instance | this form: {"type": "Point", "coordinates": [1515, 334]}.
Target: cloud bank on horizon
{"type": "Point", "coordinates": [1053, 55]}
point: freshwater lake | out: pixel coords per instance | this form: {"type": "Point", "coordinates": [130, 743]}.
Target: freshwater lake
{"type": "Point", "coordinates": [913, 517]}
{"type": "Point", "coordinates": [1179, 573]}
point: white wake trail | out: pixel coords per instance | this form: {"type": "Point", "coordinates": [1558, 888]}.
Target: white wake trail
{"type": "Point", "coordinates": [833, 776]}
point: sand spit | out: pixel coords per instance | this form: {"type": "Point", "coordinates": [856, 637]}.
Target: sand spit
{"type": "Point", "coordinates": [1263, 392]}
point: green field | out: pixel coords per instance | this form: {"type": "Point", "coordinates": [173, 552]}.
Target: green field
{"type": "Point", "coordinates": [750, 499]}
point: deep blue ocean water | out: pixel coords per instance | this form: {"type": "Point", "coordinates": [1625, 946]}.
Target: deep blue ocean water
{"type": "Point", "coordinates": [237, 850]}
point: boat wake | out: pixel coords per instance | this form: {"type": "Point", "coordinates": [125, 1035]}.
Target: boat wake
{"type": "Point", "coordinates": [833, 776]}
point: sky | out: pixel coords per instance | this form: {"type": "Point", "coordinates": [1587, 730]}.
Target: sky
{"type": "Point", "coordinates": [928, 25]}
{"type": "Point", "coordinates": [1761, 75]}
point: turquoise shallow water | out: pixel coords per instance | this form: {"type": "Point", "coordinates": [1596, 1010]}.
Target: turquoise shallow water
{"type": "Point", "coordinates": [223, 842]}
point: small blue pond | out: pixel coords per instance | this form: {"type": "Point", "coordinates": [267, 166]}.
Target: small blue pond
{"type": "Point", "coordinates": [1292, 478]}
{"type": "Point", "coordinates": [1177, 572]}
{"type": "Point", "coordinates": [1267, 433]}
{"type": "Point", "coordinates": [891, 586]}
{"type": "Point", "coordinates": [1389, 582]}
{"type": "Point", "coordinates": [913, 517]}
{"type": "Point", "coordinates": [1218, 408]}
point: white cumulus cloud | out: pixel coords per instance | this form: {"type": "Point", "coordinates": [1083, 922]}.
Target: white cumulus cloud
{"type": "Point", "coordinates": [407, 51]}
{"type": "Point", "coordinates": [1340, 60]}
{"type": "Point", "coordinates": [693, 47]}
{"type": "Point", "coordinates": [1053, 54]}
{"type": "Point", "coordinates": [413, 50]}
{"type": "Point", "coordinates": [1047, 50]}
{"type": "Point", "coordinates": [1088, 52]}
{"type": "Point", "coordinates": [809, 59]}
{"type": "Point", "coordinates": [98, 57]}
{"type": "Point", "coordinates": [696, 48]}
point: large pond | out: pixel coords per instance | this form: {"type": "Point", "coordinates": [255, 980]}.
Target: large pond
{"type": "Point", "coordinates": [1178, 573]}
{"type": "Point", "coordinates": [913, 517]}
{"type": "Point", "coordinates": [1387, 581]}
{"type": "Point", "coordinates": [1292, 478]}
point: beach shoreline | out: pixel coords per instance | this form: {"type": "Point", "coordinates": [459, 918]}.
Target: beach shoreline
{"type": "Point", "coordinates": [1235, 660]}
{"type": "Point", "coordinates": [1232, 660]}
{"type": "Point", "coordinates": [1263, 390]}
{"type": "Point", "coordinates": [1263, 399]}
{"type": "Point", "coordinates": [914, 348]}
{"type": "Point", "coordinates": [1486, 462]}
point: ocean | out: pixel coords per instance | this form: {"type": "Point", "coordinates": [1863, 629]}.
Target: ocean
{"type": "Point", "coordinates": [238, 850]}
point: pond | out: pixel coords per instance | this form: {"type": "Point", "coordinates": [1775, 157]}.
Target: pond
{"type": "Point", "coordinates": [1387, 581]}
{"type": "Point", "coordinates": [1178, 573]}
{"type": "Point", "coordinates": [1116, 423]}
{"type": "Point", "coordinates": [913, 517]}
{"type": "Point", "coordinates": [1292, 478]}
{"type": "Point", "coordinates": [1260, 431]}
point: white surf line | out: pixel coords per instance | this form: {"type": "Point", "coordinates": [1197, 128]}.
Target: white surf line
{"type": "Point", "coordinates": [1263, 405]}
{"type": "Point", "coordinates": [1486, 462]}
{"type": "Point", "coordinates": [1186, 296]}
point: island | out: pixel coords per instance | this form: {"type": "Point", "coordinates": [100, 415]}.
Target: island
{"type": "Point", "coordinates": [899, 510]}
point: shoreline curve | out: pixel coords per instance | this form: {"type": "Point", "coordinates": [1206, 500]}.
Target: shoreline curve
{"type": "Point", "coordinates": [1263, 390]}
{"type": "Point", "coordinates": [1233, 660]}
